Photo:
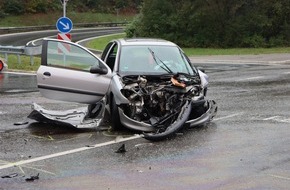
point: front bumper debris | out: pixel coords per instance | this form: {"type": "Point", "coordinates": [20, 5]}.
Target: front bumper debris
{"type": "Point", "coordinates": [183, 119]}
{"type": "Point", "coordinates": [192, 113]}
{"type": "Point", "coordinates": [207, 116]}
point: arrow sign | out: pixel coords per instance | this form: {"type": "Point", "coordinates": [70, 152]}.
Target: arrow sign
{"type": "Point", "coordinates": [64, 25]}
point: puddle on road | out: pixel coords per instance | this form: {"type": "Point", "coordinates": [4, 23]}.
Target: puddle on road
{"type": "Point", "coordinates": [17, 82]}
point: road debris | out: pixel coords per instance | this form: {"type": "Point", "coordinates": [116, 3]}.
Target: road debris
{"type": "Point", "coordinates": [79, 117]}
{"type": "Point", "coordinates": [32, 178]}
{"type": "Point", "coordinates": [122, 149]}
{"type": "Point", "coordinates": [21, 123]}
{"type": "Point", "coordinates": [10, 175]}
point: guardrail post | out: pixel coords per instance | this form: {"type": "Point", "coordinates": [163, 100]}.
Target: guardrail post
{"type": "Point", "coordinates": [6, 57]}
{"type": "Point", "coordinates": [32, 51]}
{"type": "Point", "coordinates": [21, 50]}
{"type": "Point", "coordinates": [19, 59]}
{"type": "Point", "coordinates": [31, 60]}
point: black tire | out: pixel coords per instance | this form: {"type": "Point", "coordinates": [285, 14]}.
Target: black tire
{"type": "Point", "coordinates": [94, 110]}
{"type": "Point", "coordinates": [114, 116]}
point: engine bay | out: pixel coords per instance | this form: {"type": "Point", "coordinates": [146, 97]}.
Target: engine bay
{"type": "Point", "coordinates": [157, 100]}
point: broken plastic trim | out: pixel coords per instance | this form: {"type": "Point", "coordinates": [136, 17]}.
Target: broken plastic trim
{"type": "Point", "coordinates": [175, 127]}
{"type": "Point", "coordinates": [206, 117]}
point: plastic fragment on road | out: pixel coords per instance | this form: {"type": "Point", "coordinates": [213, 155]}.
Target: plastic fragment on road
{"type": "Point", "coordinates": [122, 149]}
{"type": "Point", "coordinates": [10, 175]}
{"type": "Point", "coordinates": [21, 123]}
{"type": "Point", "coordinates": [32, 178]}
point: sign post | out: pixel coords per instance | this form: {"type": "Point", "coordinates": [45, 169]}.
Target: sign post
{"type": "Point", "coordinates": [64, 25]}
{"type": "Point", "coordinates": [63, 2]}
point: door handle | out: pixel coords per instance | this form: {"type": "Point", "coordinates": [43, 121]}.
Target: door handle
{"type": "Point", "coordinates": [47, 74]}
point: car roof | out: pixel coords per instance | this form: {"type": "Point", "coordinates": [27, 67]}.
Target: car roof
{"type": "Point", "coordinates": [144, 41]}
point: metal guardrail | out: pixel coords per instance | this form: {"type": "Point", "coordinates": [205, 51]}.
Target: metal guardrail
{"type": "Point", "coordinates": [7, 30]}
{"type": "Point", "coordinates": [21, 50]}
{"type": "Point", "coordinates": [36, 50]}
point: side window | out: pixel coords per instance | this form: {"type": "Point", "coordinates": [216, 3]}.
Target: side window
{"type": "Point", "coordinates": [110, 54]}
{"type": "Point", "coordinates": [106, 50]}
{"type": "Point", "coordinates": [69, 56]}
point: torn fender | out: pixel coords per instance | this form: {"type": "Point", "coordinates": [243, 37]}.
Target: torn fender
{"type": "Point", "coordinates": [206, 117]}
{"type": "Point", "coordinates": [182, 120]}
{"type": "Point", "coordinates": [174, 127]}
{"type": "Point", "coordinates": [79, 118]}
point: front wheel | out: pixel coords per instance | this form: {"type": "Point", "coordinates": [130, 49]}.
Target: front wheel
{"type": "Point", "coordinates": [115, 117]}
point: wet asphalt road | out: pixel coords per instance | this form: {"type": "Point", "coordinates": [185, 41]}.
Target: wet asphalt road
{"type": "Point", "coordinates": [245, 147]}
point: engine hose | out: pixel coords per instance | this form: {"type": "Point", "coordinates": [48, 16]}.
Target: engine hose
{"type": "Point", "coordinates": [174, 127]}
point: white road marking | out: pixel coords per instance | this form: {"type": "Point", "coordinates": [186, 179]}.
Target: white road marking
{"type": "Point", "coordinates": [22, 162]}
{"type": "Point", "coordinates": [251, 78]}
{"type": "Point", "coordinates": [278, 119]}
{"type": "Point", "coordinates": [228, 116]}
{"type": "Point", "coordinates": [19, 73]}
{"type": "Point", "coordinates": [271, 118]}
{"type": "Point", "coordinates": [280, 177]}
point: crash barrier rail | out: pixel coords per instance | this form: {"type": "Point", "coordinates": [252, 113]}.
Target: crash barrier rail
{"type": "Point", "coordinates": [6, 30]}
{"type": "Point", "coordinates": [31, 51]}
{"type": "Point", "coordinates": [21, 50]}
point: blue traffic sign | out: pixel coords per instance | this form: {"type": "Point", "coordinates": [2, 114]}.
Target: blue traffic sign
{"type": "Point", "coordinates": [64, 25]}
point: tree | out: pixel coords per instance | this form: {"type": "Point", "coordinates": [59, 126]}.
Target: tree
{"type": "Point", "coordinates": [15, 7]}
{"type": "Point", "coordinates": [215, 23]}
{"type": "Point", "coordinates": [42, 6]}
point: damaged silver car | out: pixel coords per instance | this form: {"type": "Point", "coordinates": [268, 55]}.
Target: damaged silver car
{"type": "Point", "coordinates": [148, 85]}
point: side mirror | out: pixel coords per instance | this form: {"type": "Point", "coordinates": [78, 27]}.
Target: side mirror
{"type": "Point", "coordinates": [98, 70]}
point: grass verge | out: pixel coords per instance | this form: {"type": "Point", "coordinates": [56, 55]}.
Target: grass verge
{"type": "Point", "coordinates": [23, 64]}
{"type": "Point", "coordinates": [100, 43]}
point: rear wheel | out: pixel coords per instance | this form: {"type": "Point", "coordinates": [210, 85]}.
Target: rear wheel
{"type": "Point", "coordinates": [115, 117]}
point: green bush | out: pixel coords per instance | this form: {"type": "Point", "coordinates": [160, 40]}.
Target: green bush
{"type": "Point", "coordinates": [132, 30]}
{"type": "Point", "coordinates": [2, 14]}
{"type": "Point", "coordinates": [254, 41]}
{"type": "Point", "coordinates": [214, 23]}
{"type": "Point", "coordinates": [14, 7]}
{"type": "Point", "coordinates": [278, 41]}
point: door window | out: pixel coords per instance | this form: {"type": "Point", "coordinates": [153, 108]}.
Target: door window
{"type": "Point", "coordinates": [69, 56]}
{"type": "Point", "coordinates": [109, 55]}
